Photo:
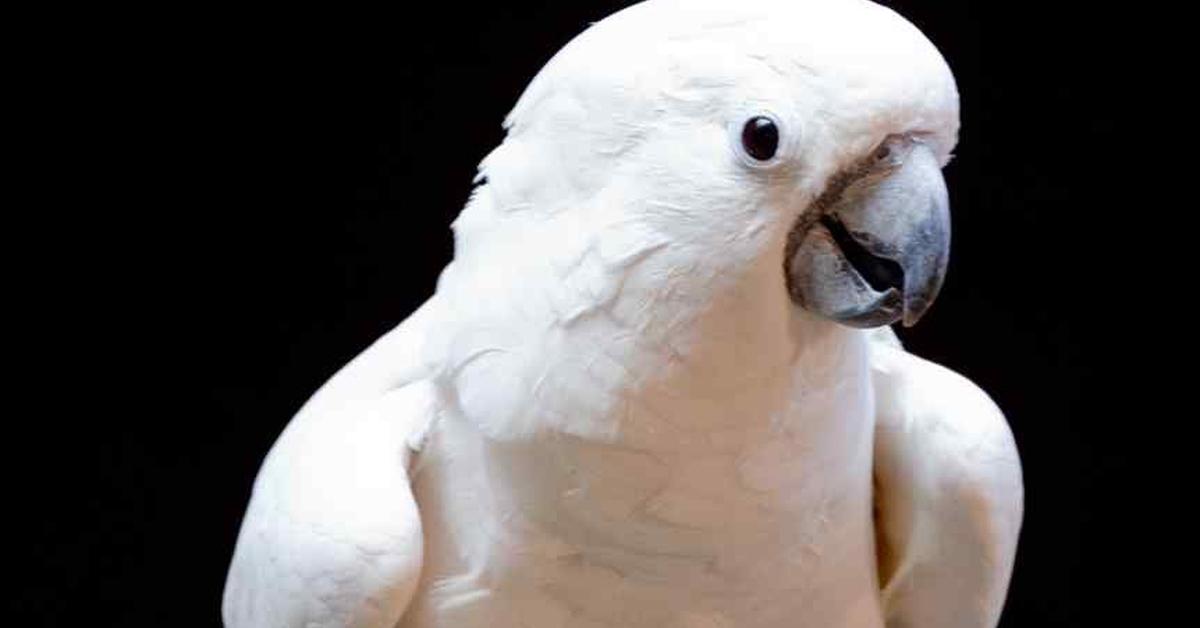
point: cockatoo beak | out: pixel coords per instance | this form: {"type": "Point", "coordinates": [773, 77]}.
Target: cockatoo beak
{"type": "Point", "coordinates": [873, 249]}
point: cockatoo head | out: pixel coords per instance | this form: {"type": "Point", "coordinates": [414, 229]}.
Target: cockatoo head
{"type": "Point", "coordinates": [804, 137]}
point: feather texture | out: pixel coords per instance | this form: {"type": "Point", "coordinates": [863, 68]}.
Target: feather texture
{"type": "Point", "coordinates": [611, 413]}
{"type": "Point", "coordinates": [949, 496]}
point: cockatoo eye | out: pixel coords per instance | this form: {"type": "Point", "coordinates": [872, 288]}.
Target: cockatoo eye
{"type": "Point", "coordinates": [760, 138]}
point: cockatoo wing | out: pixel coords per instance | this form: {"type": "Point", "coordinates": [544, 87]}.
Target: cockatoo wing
{"type": "Point", "coordinates": [948, 498]}
{"type": "Point", "coordinates": [332, 536]}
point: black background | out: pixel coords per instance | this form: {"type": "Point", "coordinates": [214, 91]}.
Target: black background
{"type": "Point", "coordinates": [298, 175]}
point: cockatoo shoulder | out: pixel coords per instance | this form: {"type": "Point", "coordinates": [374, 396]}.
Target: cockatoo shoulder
{"type": "Point", "coordinates": [949, 496]}
{"type": "Point", "coordinates": [332, 536]}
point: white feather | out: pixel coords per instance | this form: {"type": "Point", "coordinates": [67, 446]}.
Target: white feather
{"type": "Point", "coordinates": [949, 494]}
{"type": "Point", "coordinates": [610, 413]}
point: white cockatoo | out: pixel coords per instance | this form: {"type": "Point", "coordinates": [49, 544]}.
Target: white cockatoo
{"type": "Point", "coordinates": [655, 387]}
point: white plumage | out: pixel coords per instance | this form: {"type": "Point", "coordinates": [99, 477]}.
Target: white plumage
{"type": "Point", "coordinates": [613, 411]}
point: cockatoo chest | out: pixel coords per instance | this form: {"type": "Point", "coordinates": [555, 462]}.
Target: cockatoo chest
{"type": "Point", "coordinates": [760, 520]}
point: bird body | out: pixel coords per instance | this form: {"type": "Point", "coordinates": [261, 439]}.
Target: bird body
{"type": "Point", "coordinates": [747, 520]}
{"type": "Point", "coordinates": [646, 391]}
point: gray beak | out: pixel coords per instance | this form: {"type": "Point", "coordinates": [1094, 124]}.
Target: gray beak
{"type": "Point", "coordinates": [873, 250]}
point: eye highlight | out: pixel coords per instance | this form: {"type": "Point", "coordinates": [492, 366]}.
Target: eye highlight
{"type": "Point", "coordinates": [760, 138]}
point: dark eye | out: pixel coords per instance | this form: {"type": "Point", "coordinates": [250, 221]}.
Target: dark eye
{"type": "Point", "coordinates": [760, 138]}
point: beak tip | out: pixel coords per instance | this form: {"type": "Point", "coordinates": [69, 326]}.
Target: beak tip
{"type": "Point", "coordinates": [914, 310]}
